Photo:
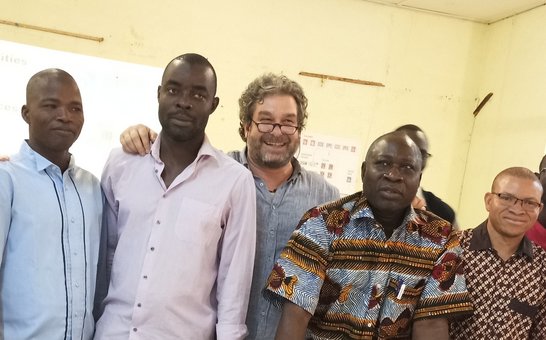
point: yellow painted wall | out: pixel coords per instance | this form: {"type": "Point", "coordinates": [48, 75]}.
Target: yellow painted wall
{"type": "Point", "coordinates": [511, 129]}
{"type": "Point", "coordinates": [435, 69]}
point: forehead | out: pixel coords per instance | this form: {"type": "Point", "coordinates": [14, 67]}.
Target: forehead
{"type": "Point", "coordinates": [398, 148]}
{"type": "Point", "coordinates": [54, 87]}
{"type": "Point", "coordinates": [520, 187]}
{"type": "Point", "coordinates": [277, 105]}
{"type": "Point", "coordinates": [184, 73]}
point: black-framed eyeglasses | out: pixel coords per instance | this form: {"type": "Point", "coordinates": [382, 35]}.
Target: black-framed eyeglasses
{"type": "Point", "coordinates": [507, 200]}
{"type": "Point", "coordinates": [269, 127]}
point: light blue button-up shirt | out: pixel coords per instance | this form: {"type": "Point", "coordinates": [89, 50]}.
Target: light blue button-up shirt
{"type": "Point", "coordinates": [49, 240]}
{"type": "Point", "coordinates": [277, 215]}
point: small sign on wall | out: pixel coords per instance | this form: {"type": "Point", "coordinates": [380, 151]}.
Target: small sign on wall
{"type": "Point", "coordinates": [334, 158]}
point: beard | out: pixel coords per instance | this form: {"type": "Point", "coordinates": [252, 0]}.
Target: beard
{"type": "Point", "coordinates": [268, 156]}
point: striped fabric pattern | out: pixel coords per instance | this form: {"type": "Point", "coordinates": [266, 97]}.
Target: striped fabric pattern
{"type": "Point", "coordinates": [340, 267]}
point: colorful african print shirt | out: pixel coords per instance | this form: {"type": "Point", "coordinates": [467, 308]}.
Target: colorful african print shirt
{"type": "Point", "coordinates": [340, 267]}
{"type": "Point", "coordinates": [509, 296]}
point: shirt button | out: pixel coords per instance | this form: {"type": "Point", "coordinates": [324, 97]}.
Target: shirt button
{"type": "Point", "coordinates": [385, 245]}
{"type": "Point", "coordinates": [378, 286]}
{"type": "Point", "coordinates": [370, 324]}
{"type": "Point", "coordinates": [158, 222]}
{"type": "Point", "coordinates": [72, 220]}
{"type": "Point", "coordinates": [261, 184]}
{"type": "Point", "coordinates": [156, 173]}
{"type": "Point", "coordinates": [152, 248]}
{"type": "Point", "coordinates": [77, 285]}
{"type": "Point", "coordinates": [274, 207]}
{"type": "Point", "coordinates": [134, 329]}
{"type": "Point", "coordinates": [139, 305]}
{"type": "Point", "coordinates": [145, 276]}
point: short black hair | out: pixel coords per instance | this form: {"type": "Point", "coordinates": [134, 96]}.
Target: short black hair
{"type": "Point", "coordinates": [409, 127]}
{"type": "Point", "coordinates": [194, 59]}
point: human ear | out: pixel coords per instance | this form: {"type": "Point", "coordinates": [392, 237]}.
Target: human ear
{"type": "Point", "coordinates": [24, 114]}
{"type": "Point", "coordinates": [215, 102]}
{"type": "Point", "coordinates": [487, 200]}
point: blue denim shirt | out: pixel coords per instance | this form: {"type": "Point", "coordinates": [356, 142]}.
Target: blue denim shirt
{"type": "Point", "coordinates": [277, 215]}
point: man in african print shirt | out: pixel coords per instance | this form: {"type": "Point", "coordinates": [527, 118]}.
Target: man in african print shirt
{"type": "Point", "coordinates": [370, 266]}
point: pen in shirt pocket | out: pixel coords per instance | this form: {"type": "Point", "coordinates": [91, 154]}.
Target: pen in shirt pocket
{"type": "Point", "coordinates": [401, 288]}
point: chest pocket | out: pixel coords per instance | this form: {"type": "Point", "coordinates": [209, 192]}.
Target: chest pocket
{"type": "Point", "coordinates": [198, 222]}
{"type": "Point", "coordinates": [398, 307]}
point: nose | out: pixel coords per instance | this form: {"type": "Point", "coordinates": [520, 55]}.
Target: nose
{"type": "Point", "coordinates": [276, 130]}
{"type": "Point", "coordinates": [63, 114]}
{"type": "Point", "coordinates": [517, 206]}
{"type": "Point", "coordinates": [183, 101]}
{"type": "Point", "coordinates": [393, 174]}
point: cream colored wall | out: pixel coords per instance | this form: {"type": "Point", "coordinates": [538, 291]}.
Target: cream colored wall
{"type": "Point", "coordinates": [511, 129]}
{"type": "Point", "coordinates": [431, 65]}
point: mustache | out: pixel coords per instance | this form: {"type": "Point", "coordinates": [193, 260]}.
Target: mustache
{"type": "Point", "coordinates": [273, 139]}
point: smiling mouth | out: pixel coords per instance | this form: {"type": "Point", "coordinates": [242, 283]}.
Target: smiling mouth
{"type": "Point", "coordinates": [515, 220]}
{"type": "Point", "coordinates": [275, 144]}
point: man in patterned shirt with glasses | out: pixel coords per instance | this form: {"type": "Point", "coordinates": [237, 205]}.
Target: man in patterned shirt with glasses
{"type": "Point", "coordinates": [504, 271]}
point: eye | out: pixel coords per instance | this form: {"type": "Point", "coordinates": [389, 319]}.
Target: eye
{"type": "Point", "coordinates": [50, 106]}
{"type": "Point", "coordinates": [530, 204]}
{"type": "Point", "coordinates": [172, 90]}
{"type": "Point", "coordinates": [199, 96]}
{"type": "Point", "coordinates": [506, 197]}
{"type": "Point", "coordinates": [383, 164]}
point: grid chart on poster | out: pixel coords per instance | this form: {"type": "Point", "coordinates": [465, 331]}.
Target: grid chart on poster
{"type": "Point", "coordinates": [334, 158]}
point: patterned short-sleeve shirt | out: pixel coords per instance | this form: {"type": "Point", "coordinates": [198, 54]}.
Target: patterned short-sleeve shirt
{"type": "Point", "coordinates": [340, 267]}
{"type": "Point", "coordinates": [509, 296]}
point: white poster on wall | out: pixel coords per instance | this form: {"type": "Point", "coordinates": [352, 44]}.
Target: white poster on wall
{"type": "Point", "coordinates": [334, 158]}
{"type": "Point", "coordinates": [114, 94]}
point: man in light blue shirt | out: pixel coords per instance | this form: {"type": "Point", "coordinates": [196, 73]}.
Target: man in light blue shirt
{"type": "Point", "coordinates": [50, 220]}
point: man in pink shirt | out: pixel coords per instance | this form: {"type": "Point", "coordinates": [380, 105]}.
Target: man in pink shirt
{"type": "Point", "coordinates": [537, 233]}
{"type": "Point", "coordinates": [181, 224]}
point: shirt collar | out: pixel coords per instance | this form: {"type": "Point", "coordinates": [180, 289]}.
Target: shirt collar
{"type": "Point", "coordinates": [206, 149]}
{"type": "Point", "coordinates": [40, 162]}
{"type": "Point", "coordinates": [480, 241]}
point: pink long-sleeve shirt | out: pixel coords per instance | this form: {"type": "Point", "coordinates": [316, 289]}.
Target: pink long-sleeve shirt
{"type": "Point", "coordinates": [181, 257]}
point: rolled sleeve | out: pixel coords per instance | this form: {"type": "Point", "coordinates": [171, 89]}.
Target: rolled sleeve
{"type": "Point", "coordinates": [300, 271]}
{"type": "Point", "coordinates": [445, 294]}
